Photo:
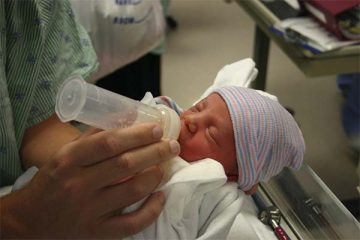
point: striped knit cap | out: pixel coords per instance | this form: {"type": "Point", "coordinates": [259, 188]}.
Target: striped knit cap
{"type": "Point", "coordinates": [267, 138]}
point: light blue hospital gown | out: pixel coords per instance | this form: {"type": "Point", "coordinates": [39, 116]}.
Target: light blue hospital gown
{"type": "Point", "coordinates": [41, 45]}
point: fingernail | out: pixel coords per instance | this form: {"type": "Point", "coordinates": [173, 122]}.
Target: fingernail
{"type": "Point", "coordinates": [161, 197]}
{"type": "Point", "coordinates": [157, 132]}
{"type": "Point", "coordinates": [174, 146]}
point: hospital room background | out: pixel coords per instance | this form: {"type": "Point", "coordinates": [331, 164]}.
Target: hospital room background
{"type": "Point", "coordinates": [201, 45]}
{"type": "Point", "coordinates": [213, 33]}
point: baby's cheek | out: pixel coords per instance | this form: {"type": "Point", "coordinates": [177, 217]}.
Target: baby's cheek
{"type": "Point", "coordinates": [188, 154]}
{"type": "Point", "coordinates": [195, 147]}
{"type": "Point", "coordinates": [191, 153]}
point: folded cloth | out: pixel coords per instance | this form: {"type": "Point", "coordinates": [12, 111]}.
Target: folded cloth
{"type": "Point", "coordinates": [240, 73]}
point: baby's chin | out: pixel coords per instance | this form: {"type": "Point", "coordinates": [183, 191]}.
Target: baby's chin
{"type": "Point", "coordinates": [187, 154]}
{"type": "Point", "coordinates": [182, 141]}
{"type": "Point", "coordinates": [184, 155]}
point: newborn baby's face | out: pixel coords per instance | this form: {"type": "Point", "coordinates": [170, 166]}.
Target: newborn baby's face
{"type": "Point", "coordinates": [207, 132]}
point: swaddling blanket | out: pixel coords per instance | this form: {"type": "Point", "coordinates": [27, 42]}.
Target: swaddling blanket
{"type": "Point", "coordinates": [199, 203]}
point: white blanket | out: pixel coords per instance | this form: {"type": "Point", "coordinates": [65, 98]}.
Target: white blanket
{"type": "Point", "coordinates": [199, 203]}
{"type": "Point", "coordinates": [241, 73]}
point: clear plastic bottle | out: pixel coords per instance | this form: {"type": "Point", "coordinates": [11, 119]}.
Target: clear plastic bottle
{"type": "Point", "coordinates": [97, 107]}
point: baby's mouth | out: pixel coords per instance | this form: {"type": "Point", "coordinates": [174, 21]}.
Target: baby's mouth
{"type": "Point", "coordinates": [185, 133]}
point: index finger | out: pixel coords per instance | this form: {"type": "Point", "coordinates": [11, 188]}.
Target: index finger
{"type": "Point", "coordinates": [106, 144]}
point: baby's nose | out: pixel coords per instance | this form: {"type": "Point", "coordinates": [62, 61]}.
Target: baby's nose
{"type": "Point", "coordinates": [190, 121]}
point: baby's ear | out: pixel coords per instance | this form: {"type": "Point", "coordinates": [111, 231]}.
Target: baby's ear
{"type": "Point", "coordinates": [252, 190]}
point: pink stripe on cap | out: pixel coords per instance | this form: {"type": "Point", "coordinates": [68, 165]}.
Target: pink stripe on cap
{"type": "Point", "coordinates": [267, 138]}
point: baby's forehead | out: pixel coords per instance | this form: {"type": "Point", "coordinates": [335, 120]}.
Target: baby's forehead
{"type": "Point", "coordinates": [220, 107]}
{"type": "Point", "coordinates": [216, 98]}
{"type": "Point", "coordinates": [212, 96]}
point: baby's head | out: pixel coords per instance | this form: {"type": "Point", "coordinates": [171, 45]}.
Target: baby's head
{"type": "Point", "coordinates": [239, 127]}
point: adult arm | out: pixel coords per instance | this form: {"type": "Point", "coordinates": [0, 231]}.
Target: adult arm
{"type": "Point", "coordinates": [74, 196]}
{"type": "Point", "coordinates": [42, 140]}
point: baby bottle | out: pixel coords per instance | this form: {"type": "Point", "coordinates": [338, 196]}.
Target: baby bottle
{"type": "Point", "coordinates": [97, 107]}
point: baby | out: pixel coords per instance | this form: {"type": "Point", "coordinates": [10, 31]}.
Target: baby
{"type": "Point", "coordinates": [251, 135]}
{"type": "Point", "coordinates": [233, 135]}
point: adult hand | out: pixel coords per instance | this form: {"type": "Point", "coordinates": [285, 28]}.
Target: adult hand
{"type": "Point", "coordinates": [81, 190]}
